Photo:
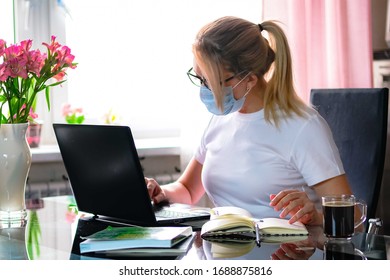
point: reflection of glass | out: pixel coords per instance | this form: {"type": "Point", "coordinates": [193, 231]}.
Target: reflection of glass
{"type": "Point", "coordinates": [33, 232]}
{"type": "Point", "coordinates": [33, 236]}
{"type": "Point", "coordinates": [12, 244]}
{"type": "Point", "coordinates": [33, 134]}
{"type": "Point", "coordinates": [71, 213]}
{"type": "Point", "coordinates": [342, 249]}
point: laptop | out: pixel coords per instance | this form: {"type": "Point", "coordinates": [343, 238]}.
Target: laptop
{"type": "Point", "coordinates": [107, 180]}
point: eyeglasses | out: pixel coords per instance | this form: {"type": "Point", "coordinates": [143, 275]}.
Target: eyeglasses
{"type": "Point", "coordinates": [199, 81]}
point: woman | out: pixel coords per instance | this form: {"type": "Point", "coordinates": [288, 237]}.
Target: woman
{"type": "Point", "coordinates": [264, 150]}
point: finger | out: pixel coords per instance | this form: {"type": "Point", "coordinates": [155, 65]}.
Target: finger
{"type": "Point", "coordinates": [295, 197]}
{"type": "Point", "coordinates": [291, 251]}
{"type": "Point", "coordinates": [304, 214]}
{"type": "Point", "coordinates": [150, 189]}
{"type": "Point", "coordinates": [276, 198]}
{"type": "Point", "coordinates": [293, 207]}
{"type": "Point", "coordinates": [282, 199]}
{"type": "Point", "coordinates": [153, 188]}
{"type": "Point", "coordinates": [293, 200]}
{"type": "Point", "coordinates": [159, 198]}
{"type": "Point", "coordinates": [281, 254]}
{"type": "Point", "coordinates": [305, 218]}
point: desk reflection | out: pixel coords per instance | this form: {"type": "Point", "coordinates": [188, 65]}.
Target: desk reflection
{"type": "Point", "coordinates": [48, 235]}
{"type": "Point", "coordinates": [313, 247]}
{"type": "Point", "coordinates": [54, 227]}
{"type": "Point", "coordinates": [286, 248]}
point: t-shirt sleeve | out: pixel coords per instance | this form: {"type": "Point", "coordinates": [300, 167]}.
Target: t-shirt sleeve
{"type": "Point", "coordinates": [314, 152]}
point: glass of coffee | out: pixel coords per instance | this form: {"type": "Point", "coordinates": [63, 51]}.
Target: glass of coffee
{"type": "Point", "coordinates": [339, 215]}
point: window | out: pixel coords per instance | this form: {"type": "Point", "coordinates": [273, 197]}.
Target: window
{"type": "Point", "coordinates": [133, 57]}
{"type": "Point", "coordinates": [7, 21]}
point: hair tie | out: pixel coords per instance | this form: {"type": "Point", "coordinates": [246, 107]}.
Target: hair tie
{"type": "Point", "coordinates": [261, 27]}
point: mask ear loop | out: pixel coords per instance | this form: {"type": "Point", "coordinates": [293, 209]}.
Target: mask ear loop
{"type": "Point", "coordinates": [241, 80]}
{"type": "Point", "coordinates": [247, 92]}
{"type": "Point", "coordinates": [247, 88]}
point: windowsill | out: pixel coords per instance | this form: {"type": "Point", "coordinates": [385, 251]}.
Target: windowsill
{"type": "Point", "coordinates": [145, 147]}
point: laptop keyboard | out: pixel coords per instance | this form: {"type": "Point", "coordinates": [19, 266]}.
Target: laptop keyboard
{"type": "Point", "coordinates": [166, 213]}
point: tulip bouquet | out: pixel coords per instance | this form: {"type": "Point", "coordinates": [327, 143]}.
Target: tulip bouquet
{"type": "Point", "coordinates": [72, 115]}
{"type": "Point", "coordinates": [25, 72]}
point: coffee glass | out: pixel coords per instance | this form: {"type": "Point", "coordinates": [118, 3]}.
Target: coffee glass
{"type": "Point", "coordinates": [339, 215]}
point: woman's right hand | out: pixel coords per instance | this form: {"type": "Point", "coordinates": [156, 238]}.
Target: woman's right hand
{"type": "Point", "coordinates": [156, 193]}
{"type": "Point", "coordinates": [301, 250]}
{"type": "Point", "coordinates": [296, 204]}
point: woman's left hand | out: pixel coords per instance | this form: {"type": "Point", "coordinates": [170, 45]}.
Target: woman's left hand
{"type": "Point", "coordinates": [297, 204]}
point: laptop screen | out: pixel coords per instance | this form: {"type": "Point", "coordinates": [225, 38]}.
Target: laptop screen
{"type": "Point", "coordinates": [104, 171]}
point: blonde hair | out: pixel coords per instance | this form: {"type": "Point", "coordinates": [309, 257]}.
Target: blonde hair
{"type": "Point", "coordinates": [238, 46]}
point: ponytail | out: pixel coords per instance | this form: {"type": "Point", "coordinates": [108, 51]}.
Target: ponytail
{"type": "Point", "coordinates": [280, 94]}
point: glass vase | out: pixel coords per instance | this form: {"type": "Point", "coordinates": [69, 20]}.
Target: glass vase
{"type": "Point", "coordinates": [33, 134]}
{"type": "Point", "coordinates": [15, 162]}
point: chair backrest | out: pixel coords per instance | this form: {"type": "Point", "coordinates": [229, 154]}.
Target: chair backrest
{"type": "Point", "coordinates": [358, 120]}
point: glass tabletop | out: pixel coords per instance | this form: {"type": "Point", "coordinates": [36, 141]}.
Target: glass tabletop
{"type": "Point", "coordinates": [54, 227]}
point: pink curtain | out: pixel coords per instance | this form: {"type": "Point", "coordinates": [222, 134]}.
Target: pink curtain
{"type": "Point", "coordinates": [330, 40]}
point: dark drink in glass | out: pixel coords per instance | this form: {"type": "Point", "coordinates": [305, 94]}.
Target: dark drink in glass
{"type": "Point", "coordinates": [339, 215]}
{"type": "Point", "coordinates": [338, 219]}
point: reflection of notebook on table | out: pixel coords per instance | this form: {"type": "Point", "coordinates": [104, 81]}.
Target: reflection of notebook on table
{"type": "Point", "coordinates": [107, 179]}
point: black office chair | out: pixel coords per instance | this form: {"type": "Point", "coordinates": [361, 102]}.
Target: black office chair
{"type": "Point", "coordinates": [358, 120]}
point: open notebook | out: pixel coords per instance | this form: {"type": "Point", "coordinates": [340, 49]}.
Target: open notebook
{"type": "Point", "coordinates": [107, 179]}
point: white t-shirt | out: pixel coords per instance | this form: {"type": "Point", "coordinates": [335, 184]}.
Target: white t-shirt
{"type": "Point", "coordinates": [245, 159]}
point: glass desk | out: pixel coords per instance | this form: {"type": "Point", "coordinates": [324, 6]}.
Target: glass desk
{"type": "Point", "coordinates": [53, 229]}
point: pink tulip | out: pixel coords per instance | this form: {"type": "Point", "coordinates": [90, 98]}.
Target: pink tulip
{"type": "Point", "coordinates": [3, 73]}
{"type": "Point", "coordinates": [2, 46]}
{"type": "Point", "coordinates": [53, 44]}
{"type": "Point", "coordinates": [32, 114]}
{"type": "Point", "coordinates": [16, 67]}
{"type": "Point", "coordinates": [15, 61]}
{"type": "Point", "coordinates": [64, 59]}
{"type": "Point", "coordinates": [26, 45]}
{"type": "Point", "coordinates": [78, 110]}
{"type": "Point", "coordinates": [66, 109]}
{"type": "Point", "coordinates": [12, 52]}
{"type": "Point", "coordinates": [35, 61]}
{"type": "Point", "coordinates": [60, 76]}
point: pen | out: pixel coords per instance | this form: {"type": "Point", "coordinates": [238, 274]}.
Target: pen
{"type": "Point", "coordinates": [257, 235]}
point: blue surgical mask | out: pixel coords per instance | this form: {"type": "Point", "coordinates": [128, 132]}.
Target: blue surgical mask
{"type": "Point", "coordinates": [230, 104]}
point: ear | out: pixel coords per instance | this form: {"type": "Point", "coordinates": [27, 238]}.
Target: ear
{"type": "Point", "coordinates": [252, 81]}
